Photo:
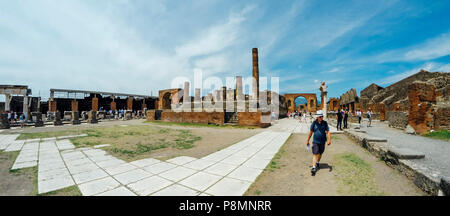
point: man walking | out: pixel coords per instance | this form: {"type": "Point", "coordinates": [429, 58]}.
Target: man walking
{"type": "Point", "coordinates": [345, 118]}
{"type": "Point", "coordinates": [321, 136]}
{"type": "Point", "coordinates": [339, 120]}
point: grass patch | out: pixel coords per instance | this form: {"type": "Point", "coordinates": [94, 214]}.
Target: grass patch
{"type": "Point", "coordinates": [186, 124]}
{"type": "Point", "coordinates": [68, 191]}
{"type": "Point", "coordinates": [49, 134]}
{"type": "Point", "coordinates": [355, 176]}
{"type": "Point", "coordinates": [440, 134]}
{"type": "Point", "coordinates": [128, 143]}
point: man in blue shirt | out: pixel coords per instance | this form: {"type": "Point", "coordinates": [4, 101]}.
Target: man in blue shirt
{"type": "Point", "coordinates": [321, 132]}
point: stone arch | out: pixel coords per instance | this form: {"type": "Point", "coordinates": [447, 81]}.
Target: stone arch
{"type": "Point", "coordinates": [167, 97]}
{"type": "Point", "coordinates": [311, 99]}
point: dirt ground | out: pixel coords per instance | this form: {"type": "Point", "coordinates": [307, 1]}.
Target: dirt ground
{"type": "Point", "coordinates": [19, 183]}
{"type": "Point", "coordinates": [293, 177]}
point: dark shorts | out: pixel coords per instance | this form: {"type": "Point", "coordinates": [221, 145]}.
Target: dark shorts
{"type": "Point", "coordinates": [318, 148]}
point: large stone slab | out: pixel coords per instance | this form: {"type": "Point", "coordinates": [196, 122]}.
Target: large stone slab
{"type": "Point", "coordinates": [98, 186]}
{"type": "Point", "coordinates": [159, 167]}
{"type": "Point", "coordinates": [176, 190]}
{"type": "Point", "coordinates": [89, 176]}
{"type": "Point", "coordinates": [132, 176]}
{"type": "Point", "coordinates": [177, 173]}
{"type": "Point", "coordinates": [404, 153]}
{"type": "Point", "coordinates": [120, 191]}
{"type": "Point", "coordinates": [200, 181]}
{"type": "Point", "coordinates": [55, 184]}
{"type": "Point", "coordinates": [145, 162]}
{"type": "Point", "coordinates": [245, 173]}
{"type": "Point", "coordinates": [181, 160]}
{"type": "Point", "coordinates": [149, 185]}
{"type": "Point", "coordinates": [229, 187]}
{"type": "Point", "coordinates": [221, 169]}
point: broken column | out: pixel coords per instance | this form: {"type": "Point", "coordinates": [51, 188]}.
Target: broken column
{"type": "Point", "coordinates": [197, 101]}
{"type": "Point", "coordinates": [323, 94]}
{"type": "Point", "coordinates": [230, 100]}
{"type": "Point", "coordinates": [240, 97]}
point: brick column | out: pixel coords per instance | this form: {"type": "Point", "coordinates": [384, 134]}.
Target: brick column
{"type": "Point", "coordinates": [94, 104]}
{"type": "Point", "coordinates": [130, 103]}
{"type": "Point", "coordinates": [52, 106]}
{"type": "Point", "coordinates": [113, 105]}
{"type": "Point", "coordinates": [75, 105]}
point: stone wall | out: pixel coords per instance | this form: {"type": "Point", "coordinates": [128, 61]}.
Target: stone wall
{"type": "Point", "coordinates": [254, 119]}
{"type": "Point", "coordinates": [150, 115]}
{"type": "Point", "coordinates": [397, 119]}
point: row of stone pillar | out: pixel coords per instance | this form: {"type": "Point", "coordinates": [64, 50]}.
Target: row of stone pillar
{"type": "Point", "coordinates": [52, 106]}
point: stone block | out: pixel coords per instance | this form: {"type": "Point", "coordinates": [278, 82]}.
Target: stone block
{"type": "Point", "coordinates": [200, 181]}
{"type": "Point", "coordinates": [38, 119]}
{"type": "Point", "coordinates": [176, 190]}
{"type": "Point", "coordinates": [229, 187]}
{"type": "Point", "coordinates": [403, 153]}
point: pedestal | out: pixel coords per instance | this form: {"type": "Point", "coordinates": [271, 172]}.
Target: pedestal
{"type": "Point", "coordinates": [75, 118]}
{"type": "Point", "coordinates": [57, 121]}
{"type": "Point", "coordinates": [38, 119]}
{"type": "Point", "coordinates": [4, 123]}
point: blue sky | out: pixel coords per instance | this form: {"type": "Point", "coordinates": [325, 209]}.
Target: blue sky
{"type": "Point", "coordinates": [139, 46]}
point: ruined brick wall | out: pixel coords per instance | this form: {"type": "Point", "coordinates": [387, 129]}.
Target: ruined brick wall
{"type": "Point", "coordinates": [422, 99]}
{"type": "Point", "coordinates": [254, 119]}
{"type": "Point", "coordinates": [397, 119]}
{"type": "Point", "coordinates": [150, 115]}
{"type": "Point", "coordinates": [52, 106]}
{"type": "Point", "coordinates": [95, 104]}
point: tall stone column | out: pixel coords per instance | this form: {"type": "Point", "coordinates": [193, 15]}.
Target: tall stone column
{"type": "Point", "coordinates": [25, 107]}
{"type": "Point", "coordinates": [8, 102]}
{"type": "Point", "coordinates": [186, 98]}
{"type": "Point", "coordinates": [239, 93]}
{"type": "Point", "coordinates": [197, 101]}
{"type": "Point", "coordinates": [255, 84]}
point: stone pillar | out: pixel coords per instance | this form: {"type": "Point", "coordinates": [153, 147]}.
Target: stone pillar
{"type": "Point", "coordinates": [92, 117]}
{"type": "Point", "coordinates": [197, 101]}
{"type": "Point", "coordinates": [255, 82]}
{"type": "Point", "coordinates": [130, 103]}
{"type": "Point", "coordinates": [186, 98]}
{"type": "Point", "coordinates": [25, 107]}
{"type": "Point", "coordinates": [239, 92]}
{"type": "Point", "coordinates": [324, 105]}
{"type": "Point", "coordinates": [57, 121]}
{"type": "Point", "coordinates": [4, 123]}
{"type": "Point", "coordinates": [8, 103]}
{"type": "Point", "coordinates": [230, 100]}
{"type": "Point", "coordinates": [94, 104]}
{"type": "Point", "coordinates": [74, 105]}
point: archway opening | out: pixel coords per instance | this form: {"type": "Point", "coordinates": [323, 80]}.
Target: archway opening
{"type": "Point", "coordinates": [301, 104]}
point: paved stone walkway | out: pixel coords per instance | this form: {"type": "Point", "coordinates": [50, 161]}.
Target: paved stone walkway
{"type": "Point", "coordinates": [437, 152]}
{"type": "Point", "coordinates": [293, 125]}
{"type": "Point", "coordinates": [230, 171]}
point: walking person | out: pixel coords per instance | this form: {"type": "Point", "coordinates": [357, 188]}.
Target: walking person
{"type": "Point", "coordinates": [339, 120]}
{"type": "Point", "coordinates": [22, 120]}
{"type": "Point", "coordinates": [358, 113]}
{"type": "Point", "coordinates": [369, 115]}
{"type": "Point", "coordinates": [321, 136]}
{"type": "Point", "coordinates": [345, 118]}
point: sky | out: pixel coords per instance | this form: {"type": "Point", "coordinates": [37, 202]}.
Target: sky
{"type": "Point", "coordinates": [141, 46]}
